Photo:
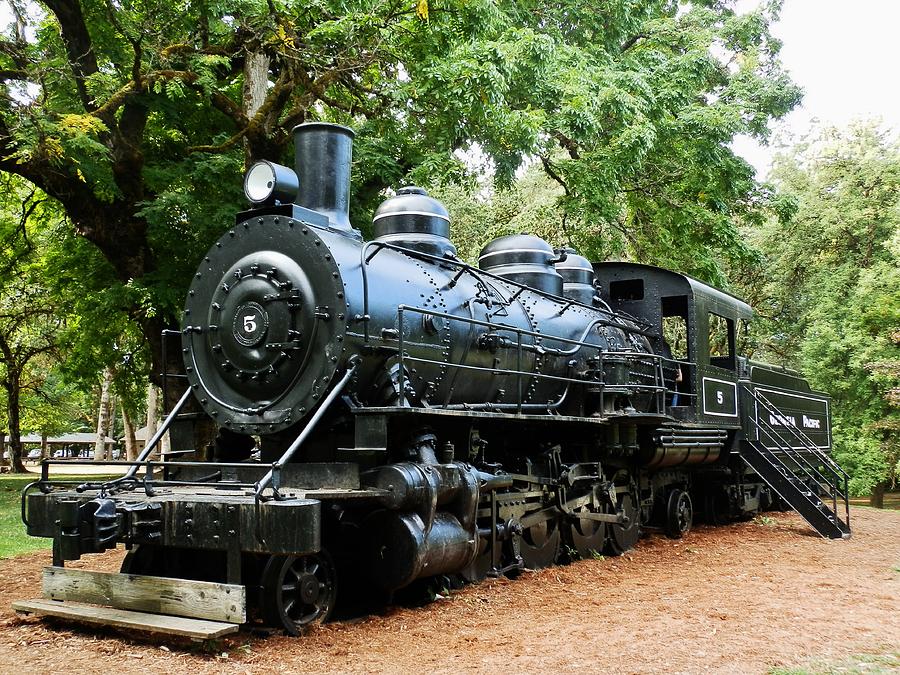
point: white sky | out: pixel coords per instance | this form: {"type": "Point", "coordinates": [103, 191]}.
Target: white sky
{"type": "Point", "coordinates": [845, 56]}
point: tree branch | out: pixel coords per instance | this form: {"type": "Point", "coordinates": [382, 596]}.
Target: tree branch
{"type": "Point", "coordinates": [632, 41]}
{"type": "Point", "coordinates": [143, 84]}
{"type": "Point", "coordinates": [135, 41]}
{"type": "Point", "coordinates": [568, 144]}
{"type": "Point", "coordinates": [548, 167]}
{"type": "Point", "coordinates": [6, 75]}
{"type": "Point", "coordinates": [78, 44]}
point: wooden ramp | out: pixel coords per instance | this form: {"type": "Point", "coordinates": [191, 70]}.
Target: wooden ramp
{"type": "Point", "coordinates": [201, 610]}
{"type": "Point", "coordinates": [159, 595]}
{"type": "Point", "coordinates": [198, 629]}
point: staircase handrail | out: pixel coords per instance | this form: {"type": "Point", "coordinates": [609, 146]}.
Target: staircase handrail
{"type": "Point", "coordinates": [801, 462]}
{"type": "Point", "coordinates": [805, 440]}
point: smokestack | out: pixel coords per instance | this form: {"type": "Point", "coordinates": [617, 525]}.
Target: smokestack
{"type": "Point", "coordinates": [322, 156]}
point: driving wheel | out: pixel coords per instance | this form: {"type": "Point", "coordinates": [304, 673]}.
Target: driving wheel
{"type": "Point", "coordinates": [623, 537]}
{"type": "Point", "coordinates": [539, 544]}
{"type": "Point", "coordinates": [585, 536]}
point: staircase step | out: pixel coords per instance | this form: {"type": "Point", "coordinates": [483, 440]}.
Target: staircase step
{"type": "Point", "coordinates": [795, 490]}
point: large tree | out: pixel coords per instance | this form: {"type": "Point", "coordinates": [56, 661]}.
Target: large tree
{"type": "Point", "coordinates": [138, 115]}
{"type": "Point", "coordinates": [830, 297]}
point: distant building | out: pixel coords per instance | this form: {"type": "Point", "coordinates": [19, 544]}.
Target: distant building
{"type": "Point", "coordinates": [80, 444]}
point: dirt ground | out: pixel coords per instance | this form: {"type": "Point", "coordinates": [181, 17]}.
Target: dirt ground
{"type": "Point", "coordinates": [744, 598]}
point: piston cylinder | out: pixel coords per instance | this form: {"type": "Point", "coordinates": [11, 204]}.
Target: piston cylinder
{"type": "Point", "coordinates": [401, 549]}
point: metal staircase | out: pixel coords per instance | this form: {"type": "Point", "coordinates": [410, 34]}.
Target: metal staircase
{"type": "Point", "coordinates": [798, 471]}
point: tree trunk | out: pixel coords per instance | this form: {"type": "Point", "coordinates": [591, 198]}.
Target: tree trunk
{"type": "Point", "coordinates": [103, 416]}
{"type": "Point", "coordinates": [876, 499]}
{"type": "Point", "coordinates": [164, 447]}
{"type": "Point", "coordinates": [13, 389]}
{"type": "Point", "coordinates": [131, 451]}
{"type": "Point", "coordinates": [111, 427]}
{"type": "Point", "coordinates": [152, 411]}
{"type": "Point", "coordinates": [45, 447]}
{"type": "Point", "coordinates": [254, 91]}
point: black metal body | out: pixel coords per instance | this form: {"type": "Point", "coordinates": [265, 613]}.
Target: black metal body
{"type": "Point", "coordinates": [419, 416]}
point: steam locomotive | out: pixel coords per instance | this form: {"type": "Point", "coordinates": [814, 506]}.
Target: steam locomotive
{"type": "Point", "coordinates": [388, 414]}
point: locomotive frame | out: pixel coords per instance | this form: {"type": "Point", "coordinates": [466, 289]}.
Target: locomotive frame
{"type": "Point", "coordinates": [473, 421]}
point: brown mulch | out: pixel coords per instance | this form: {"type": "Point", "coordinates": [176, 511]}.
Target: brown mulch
{"type": "Point", "coordinates": [743, 598]}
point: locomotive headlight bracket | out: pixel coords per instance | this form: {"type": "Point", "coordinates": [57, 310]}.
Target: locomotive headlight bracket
{"type": "Point", "coordinates": [269, 183]}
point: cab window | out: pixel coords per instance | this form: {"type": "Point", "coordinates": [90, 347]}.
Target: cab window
{"type": "Point", "coordinates": [721, 341]}
{"type": "Point", "coordinates": [675, 335]}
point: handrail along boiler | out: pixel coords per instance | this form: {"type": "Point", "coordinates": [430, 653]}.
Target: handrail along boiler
{"type": "Point", "coordinates": [388, 414]}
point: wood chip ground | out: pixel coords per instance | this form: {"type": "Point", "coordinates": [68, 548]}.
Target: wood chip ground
{"type": "Point", "coordinates": [744, 598]}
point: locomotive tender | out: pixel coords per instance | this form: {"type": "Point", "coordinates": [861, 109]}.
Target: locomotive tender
{"type": "Point", "coordinates": [389, 414]}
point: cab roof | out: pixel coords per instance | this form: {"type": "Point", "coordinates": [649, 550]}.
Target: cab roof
{"type": "Point", "coordinates": [673, 283]}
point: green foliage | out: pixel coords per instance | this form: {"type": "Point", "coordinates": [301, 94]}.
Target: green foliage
{"type": "Point", "coordinates": [531, 204]}
{"type": "Point", "coordinates": [830, 301]}
{"type": "Point", "coordinates": [56, 329]}
{"type": "Point", "coordinates": [629, 105]}
{"type": "Point", "coordinates": [634, 127]}
{"type": "Point", "coordinates": [50, 404]}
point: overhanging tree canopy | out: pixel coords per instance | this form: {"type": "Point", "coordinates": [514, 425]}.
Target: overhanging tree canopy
{"type": "Point", "coordinates": [137, 115]}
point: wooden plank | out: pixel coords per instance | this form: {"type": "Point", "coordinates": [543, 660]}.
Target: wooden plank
{"type": "Point", "coordinates": [197, 629]}
{"type": "Point", "coordinates": [160, 595]}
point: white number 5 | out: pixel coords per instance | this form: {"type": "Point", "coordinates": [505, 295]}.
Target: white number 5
{"type": "Point", "coordinates": [250, 323]}
{"type": "Point", "coordinates": [720, 397]}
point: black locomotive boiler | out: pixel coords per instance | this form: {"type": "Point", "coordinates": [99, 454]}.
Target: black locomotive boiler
{"type": "Point", "coordinates": [388, 413]}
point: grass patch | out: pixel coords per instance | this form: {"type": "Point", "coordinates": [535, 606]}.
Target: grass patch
{"type": "Point", "coordinates": [858, 664]}
{"type": "Point", "coordinates": [13, 539]}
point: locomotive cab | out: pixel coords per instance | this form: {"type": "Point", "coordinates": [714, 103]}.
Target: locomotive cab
{"type": "Point", "coordinates": [697, 330]}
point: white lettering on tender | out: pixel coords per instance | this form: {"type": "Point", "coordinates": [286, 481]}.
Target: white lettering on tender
{"type": "Point", "coordinates": [811, 423]}
{"type": "Point", "coordinates": [782, 420]}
